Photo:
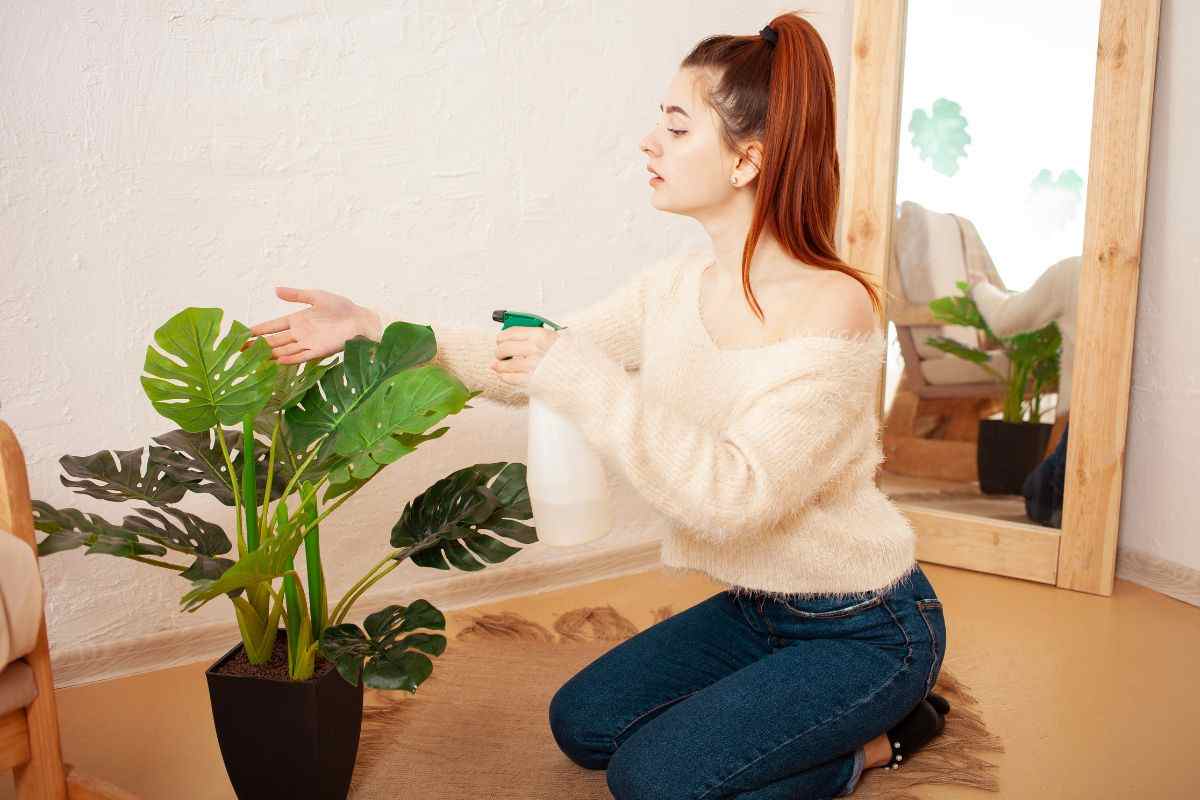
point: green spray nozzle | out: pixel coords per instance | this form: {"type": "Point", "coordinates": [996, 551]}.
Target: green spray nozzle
{"type": "Point", "coordinates": [512, 319]}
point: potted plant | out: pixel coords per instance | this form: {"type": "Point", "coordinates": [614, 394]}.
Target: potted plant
{"type": "Point", "coordinates": [287, 699]}
{"type": "Point", "coordinates": [1008, 448]}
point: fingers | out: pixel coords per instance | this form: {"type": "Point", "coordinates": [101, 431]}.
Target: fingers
{"type": "Point", "coordinates": [515, 347]}
{"type": "Point", "coordinates": [288, 349]}
{"type": "Point", "coordinates": [272, 326]}
{"type": "Point", "coordinates": [306, 355]}
{"type": "Point", "coordinates": [274, 340]}
{"type": "Point", "coordinates": [295, 295]}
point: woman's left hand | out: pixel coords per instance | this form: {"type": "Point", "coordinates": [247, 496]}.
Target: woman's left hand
{"type": "Point", "coordinates": [519, 350]}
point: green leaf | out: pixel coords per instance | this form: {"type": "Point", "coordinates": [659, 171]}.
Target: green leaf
{"type": "Point", "coordinates": [390, 663]}
{"type": "Point", "coordinates": [207, 382]}
{"type": "Point", "coordinates": [445, 525]}
{"type": "Point", "coordinates": [292, 382]}
{"type": "Point", "coordinates": [271, 560]}
{"type": "Point", "coordinates": [118, 475]}
{"type": "Point", "coordinates": [195, 461]}
{"type": "Point", "coordinates": [365, 366]}
{"type": "Point", "coordinates": [69, 528]}
{"type": "Point", "coordinates": [411, 402]}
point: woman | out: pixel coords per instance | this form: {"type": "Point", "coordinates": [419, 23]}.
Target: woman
{"type": "Point", "coordinates": [754, 435]}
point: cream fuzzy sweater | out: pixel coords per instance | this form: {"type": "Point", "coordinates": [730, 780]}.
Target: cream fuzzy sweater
{"type": "Point", "coordinates": [761, 459]}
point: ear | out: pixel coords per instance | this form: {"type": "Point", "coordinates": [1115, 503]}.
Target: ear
{"type": "Point", "coordinates": [747, 166]}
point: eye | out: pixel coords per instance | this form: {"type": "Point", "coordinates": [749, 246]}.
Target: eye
{"type": "Point", "coordinates": [677, 133]}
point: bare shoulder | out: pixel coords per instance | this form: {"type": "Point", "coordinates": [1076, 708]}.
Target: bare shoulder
{"type": "Point", "coordinates": [834, 301]}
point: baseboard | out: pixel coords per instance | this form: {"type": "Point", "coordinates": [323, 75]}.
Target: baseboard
{"type": "Point", "coordinates": [174, 648]}
{"type": "Point", "coordinates": [1167, 577]}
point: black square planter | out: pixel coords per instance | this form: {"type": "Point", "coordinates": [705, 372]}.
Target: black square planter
{"type": "Point", "coordinates": [1007, 452]}
{"type": "Point", "coordinates": [283, 738]}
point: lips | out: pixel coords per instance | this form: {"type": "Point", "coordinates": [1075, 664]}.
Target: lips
{"type": "Point", "coordinates": [655, 174]}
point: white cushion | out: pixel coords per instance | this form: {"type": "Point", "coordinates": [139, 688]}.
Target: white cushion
{"type": "Point", "coordinates": [20, 598]}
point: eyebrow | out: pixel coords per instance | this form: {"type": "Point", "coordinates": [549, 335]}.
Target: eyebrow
{"type": "Point", "coordinates": [673, 110]}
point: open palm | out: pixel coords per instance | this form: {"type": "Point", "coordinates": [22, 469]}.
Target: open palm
{"type": "Point", "coordinates": [311, 333]}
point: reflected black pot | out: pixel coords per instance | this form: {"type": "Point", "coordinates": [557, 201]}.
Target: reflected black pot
{"type": "Point", "coordinates": [1008, 452]}
{"type": "Point", "coordinates": [285, 738]}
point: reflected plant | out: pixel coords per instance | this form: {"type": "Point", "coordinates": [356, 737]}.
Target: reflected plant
{"type": "Point", "coordinates": [306, 438]}
{"type": "Point", "coordinates": [1033, 356]}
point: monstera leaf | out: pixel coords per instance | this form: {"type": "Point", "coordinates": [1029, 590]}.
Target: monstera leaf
{"type": "Point", "coordinates": [69, 528]}
{"type": "Point", "coordinates": [338, 467]}
{"type": "Point", "coordinates": [391, 662]}
{"type": "Point", "coordinates": [117, 476]}
{"type": "Point", "coordinates": [199, 382]}
{"type": "Point", "coordinates": [372, 434]}
{"type": "Point", "coordinates": [292, 382]}
{"type": "Point", "coordinates": [444, 525]}
{"type": "Point", "coordinates": [275, 555]}
{"type": "Point", "coordinates": [195, 461]}
{"type": "Point", "coordinates": [365, 366]}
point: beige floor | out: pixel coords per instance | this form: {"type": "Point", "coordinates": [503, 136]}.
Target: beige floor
{"type": "Point", "coordinates": [1095, 697]}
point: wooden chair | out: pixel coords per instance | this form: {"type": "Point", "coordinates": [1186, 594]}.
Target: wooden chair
{"type": "Point", "coordinates": [932, 425]}
{"type": "Point", "coordinates": [29, 736]}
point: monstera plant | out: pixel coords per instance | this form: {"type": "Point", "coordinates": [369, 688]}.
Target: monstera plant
{"type": "Point", "coordinates": [305, 438]}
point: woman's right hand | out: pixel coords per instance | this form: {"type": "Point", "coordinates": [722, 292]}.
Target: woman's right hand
{"type": "Point", "coordinates": [317, 331]}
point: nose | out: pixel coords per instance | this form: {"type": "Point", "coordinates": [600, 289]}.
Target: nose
{"type": "Point", "coordinates": [648, 145]}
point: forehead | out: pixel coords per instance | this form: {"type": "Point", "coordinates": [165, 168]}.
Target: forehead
{"type": "Point", "coordinates": [684, 91]}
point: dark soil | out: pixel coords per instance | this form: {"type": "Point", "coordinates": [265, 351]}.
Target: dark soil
{"type": "Point", "coordinates": [275, 668]}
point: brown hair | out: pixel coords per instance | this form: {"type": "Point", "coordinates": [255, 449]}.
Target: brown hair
{"type": "Point", "coordinates": [783, 95]}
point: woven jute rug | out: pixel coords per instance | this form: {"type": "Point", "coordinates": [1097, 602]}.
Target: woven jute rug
{"type": "Point", "coordinates": [478, 726]}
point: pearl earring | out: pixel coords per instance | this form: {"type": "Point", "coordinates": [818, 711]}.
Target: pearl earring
{"type": "Point", "coordinates": [733, 179]}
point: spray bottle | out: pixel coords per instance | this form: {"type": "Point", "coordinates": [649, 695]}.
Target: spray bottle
{"type": "Point", "coordinates": [568, 486]}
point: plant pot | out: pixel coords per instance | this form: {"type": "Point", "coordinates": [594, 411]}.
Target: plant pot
{"type": "Point", "coordinates": [1007, 452]}
{"type": "Point", "coordinates": [278, 738]}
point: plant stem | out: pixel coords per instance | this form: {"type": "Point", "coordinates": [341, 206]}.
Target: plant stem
{"type": "Point", "coordinates": [156, 563]}
{"type": "Point", "coordinates": [359, 592]}
{"type": "Point", "coordinates": [234, 487]}
{"type": "Point", "coordinates": [266, 505]}
{"type": "Point", "coordinates": [249, 483]}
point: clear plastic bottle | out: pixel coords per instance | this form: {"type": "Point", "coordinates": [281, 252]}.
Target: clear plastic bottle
{"type": "Point", "coordinates": [568, 484]}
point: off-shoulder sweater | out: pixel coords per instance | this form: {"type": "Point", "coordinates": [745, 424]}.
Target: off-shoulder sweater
{"type": "Point", "coordinates": [761, 459]}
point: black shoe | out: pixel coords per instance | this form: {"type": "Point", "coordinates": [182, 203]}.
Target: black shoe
{"type": "Point", "coordinates": [916, 730]}
{"type": "Point", "coordinates": [940, 703]}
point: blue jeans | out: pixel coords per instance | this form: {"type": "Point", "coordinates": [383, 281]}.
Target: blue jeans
{"type": "Point", "coordinates": [1044, 487]}
{"type": "Point", "coordinates": [753, 697]}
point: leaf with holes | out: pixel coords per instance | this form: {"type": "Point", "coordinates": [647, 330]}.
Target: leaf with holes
{"type": "Point", "coordinates": [199, 382]}
{"type": "Point", "coordinates": [365, 366]}
{"type": "Point", "coordinates": [195, 461]}
{"type": "Point", "coordinates": [391, 662]}
{"type": "Point", "coordinates": [117, 476]}
{"type": "Point", "coordinates": [444, 526]}
{"type": "Point", "coordinates": [69, 528]}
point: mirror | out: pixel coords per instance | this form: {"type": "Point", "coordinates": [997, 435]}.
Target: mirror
{"type": "Point", "coordinates": [991, 167]}
{"type": "Point", "coordinates": [1010, 83]}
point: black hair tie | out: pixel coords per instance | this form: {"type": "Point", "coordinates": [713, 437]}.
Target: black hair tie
{"type": "Point", "coordinates": [770, 34]}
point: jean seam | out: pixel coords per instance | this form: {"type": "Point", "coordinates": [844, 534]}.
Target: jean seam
{"type": "Point", "coordinates": [933, 644]}
{"type": "Point", "coordinates": [890, 680]}
{"type": "Point", "coordinates": [629, 724]}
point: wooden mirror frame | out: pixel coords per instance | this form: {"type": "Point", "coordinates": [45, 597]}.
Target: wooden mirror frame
{"type": "Point", "coordinates": [1082, 554]}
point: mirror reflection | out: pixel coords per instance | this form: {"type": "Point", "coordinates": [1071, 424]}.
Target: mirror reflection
{"type": "Point", "coordinates": [996, 114]}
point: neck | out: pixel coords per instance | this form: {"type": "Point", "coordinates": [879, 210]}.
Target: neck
{"type": "Point", "coordinates": [728, 227]}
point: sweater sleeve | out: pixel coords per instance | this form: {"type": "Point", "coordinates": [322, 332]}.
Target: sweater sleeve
{"type": "Point", "coordinates": [779, 450]}
{"type": "Point", "coordinates": [1012, 313]}
{"type": "Point", "coordinates": [614, 324]}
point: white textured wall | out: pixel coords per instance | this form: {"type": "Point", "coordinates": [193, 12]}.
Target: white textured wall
{"type": "Point", "coordinates": [1160, 505]}
{"type": "Point", "coordinates": [447, 158]}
